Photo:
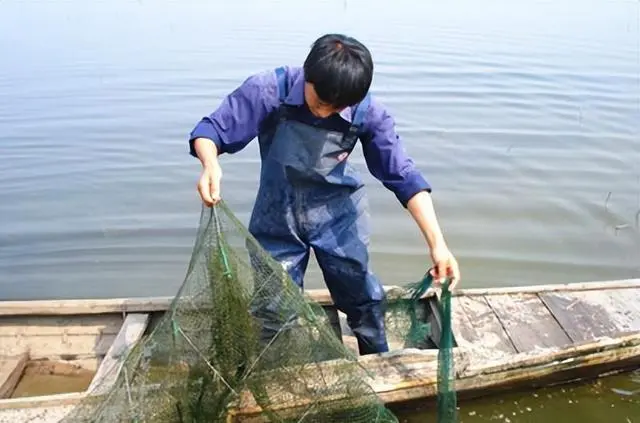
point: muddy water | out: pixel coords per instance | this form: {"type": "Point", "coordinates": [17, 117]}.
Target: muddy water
{"type": "Point", "coordinates": [44, 378]}
{"type": "Point", "coordinates": [608, 400]}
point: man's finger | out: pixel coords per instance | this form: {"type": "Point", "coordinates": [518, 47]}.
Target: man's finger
{"type": "Point", "coordinates": [441, 271]}
{"type": "Point", "coordinates": [453, 282]}
{"type": "Point", "coordinates": [215, 190]}
{"type": "Point", "coordinates": [455, 275]}
{"type": "Point", "coordinates": [203, 189]}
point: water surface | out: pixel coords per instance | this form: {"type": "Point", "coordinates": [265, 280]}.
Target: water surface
{"type": "Point", "coordinates": [524, 117]}
{"type": "Point", "coordinates": [615, 399]}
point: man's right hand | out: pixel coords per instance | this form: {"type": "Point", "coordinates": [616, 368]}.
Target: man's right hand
{"type": "Point", "coordinates": [209, 183]}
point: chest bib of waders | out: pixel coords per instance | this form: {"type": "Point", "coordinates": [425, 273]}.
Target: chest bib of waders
{"type": "Point", "coordinates": [310, 197]}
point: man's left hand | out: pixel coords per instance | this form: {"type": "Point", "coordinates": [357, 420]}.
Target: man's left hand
{"type": "Point", "coordinates": [445, 266]}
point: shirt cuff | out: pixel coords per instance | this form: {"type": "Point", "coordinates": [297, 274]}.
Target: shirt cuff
{"type": "Point", "coordinates": [204, 130]}
{"type": "Point", "coordinates": [412, 184]}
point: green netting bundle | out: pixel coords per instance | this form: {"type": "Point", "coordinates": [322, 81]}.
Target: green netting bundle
{"type": "Point", "coordinates": [241, 342]}
{"type": "Point", "coordinates": [413, 322]}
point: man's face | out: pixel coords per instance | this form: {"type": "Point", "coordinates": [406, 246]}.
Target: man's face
{"type": "Point", "coordinates": [316, 106]}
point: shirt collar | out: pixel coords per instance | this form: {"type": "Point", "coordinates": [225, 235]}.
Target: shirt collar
{"type": "Point", "coordinates": [296, 92]}
{"type": "Point", "coordinates": [296, 96]}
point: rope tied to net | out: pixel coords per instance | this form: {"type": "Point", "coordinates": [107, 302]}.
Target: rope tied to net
{"type": "Point", "coordinates": [223, 251]}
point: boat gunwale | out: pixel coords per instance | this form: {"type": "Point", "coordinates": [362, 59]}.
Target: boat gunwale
{"type": "Point", "coordinates": [320, 296]}
{"type": "Point", "coordinates": [67, 398]}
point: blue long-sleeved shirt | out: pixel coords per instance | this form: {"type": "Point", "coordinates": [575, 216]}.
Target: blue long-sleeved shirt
{"type": "Point", "coordinates": [237, 120]}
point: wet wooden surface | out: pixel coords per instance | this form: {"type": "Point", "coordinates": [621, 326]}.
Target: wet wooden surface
{"type": "Point", "coordinates": [495, 326]}
{"type": "Point", "coordinates": [528, 322]}
{"type": "Point", "coordinates": [476, 326]}
{"type": "Point", "coordinates": [50, 414]}
{"type": "Point", "coordinates": [130, 333]}
{"type": "Point", "coordinates": [510, 323]}
{"type": "Point", "coordinates": [581, 321]}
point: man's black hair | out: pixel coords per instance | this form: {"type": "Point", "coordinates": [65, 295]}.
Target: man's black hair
{"type": "Point", "coordinates": [340, 69]}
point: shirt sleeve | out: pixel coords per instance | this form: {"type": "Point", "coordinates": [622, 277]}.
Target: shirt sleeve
{"type": "Point", "coordinates": [386, 157]}
{"type": "Point", "coordinates": [237, 119]}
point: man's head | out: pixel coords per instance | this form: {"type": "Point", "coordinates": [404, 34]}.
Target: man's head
{"type": "Point", "coordinates": [338, 73]}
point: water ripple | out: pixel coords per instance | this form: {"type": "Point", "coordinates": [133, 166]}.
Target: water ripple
{"type": "Point", "coordinates": [524, 117]}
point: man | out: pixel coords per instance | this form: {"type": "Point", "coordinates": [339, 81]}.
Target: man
{"type": "Point", "coordinates": [308, 121]}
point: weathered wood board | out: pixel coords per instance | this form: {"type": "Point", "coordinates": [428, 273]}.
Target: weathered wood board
{"type": "Point", "coordinates": [82, 307]}
{"type": "Point", "coordinates": [586, 315]}
{"type": "Point", "coordinates": [528, 322]}
{"type": "Point", "coordinates": [394, 373]}
{"type": "Point", "coordinates": [476, 327]}
{"type": "Point", "coordinates": [130, 333]}
{"type": "Point", "coordinates": [11, 369]}
{"type": "Point", "coordinates": [59, 325]}
{"type": "Point", "coordinates": [50, 414]}
{"type": "Point", "coordinates": [82, 339]}
{"type": "Point", "coordinates": [581, 320]}
{"type": "Point", "coordinates": [627, 316]}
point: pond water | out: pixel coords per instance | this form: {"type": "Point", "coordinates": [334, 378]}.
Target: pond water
{"type": "Point", "coordinates": [523, 116]}
{"type": "Point", "coordinates": [612, 399]}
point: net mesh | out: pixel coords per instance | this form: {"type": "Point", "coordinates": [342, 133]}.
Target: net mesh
{"type": "Point", "coordinates": [241, 342]}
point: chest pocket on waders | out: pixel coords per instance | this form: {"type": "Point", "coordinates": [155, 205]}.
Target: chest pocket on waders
{"type": "Point", "coordinates": [308, 150]}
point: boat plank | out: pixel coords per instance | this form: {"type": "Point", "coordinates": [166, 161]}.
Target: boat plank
{"type": "Point", "coordinates": [463, 330]}
{"type": "Point", "coordinates": [11, 369]}
{"type": "Point", "coordinates": [629, 306]}
{"type": "Point", "coordinates": [392, 371]}
{"type": "Point", "coordinates": [620, 305]}
{"type": "Point", "coordinates": [132, 330]}
{"type": "Point", "coordinates": [536, 289]}
{"type": "Point", "coordinates": [581, 320]}
{"type": "Point", "coordinates": [71, 398]}
{"type": "Point", "coordinates": [528, 322]}
{"type": "Point", "coordinates": [57, 325]}
{"type": "Point", "coordinates": [88, 306]}
{"type": "Point", "coordinates": [44, 414]}
{"type": "Point", "coordinates": [321, 296]}
{"type": "Point", "coordinates": [59, 346]}
{"type": "Point", "coordinates": [476, 326]}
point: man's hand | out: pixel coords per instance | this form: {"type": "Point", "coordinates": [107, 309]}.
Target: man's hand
{"type": "Point", "coordinates": [209, 183]}
{"type": "Point", "coordinates": [444, 266]}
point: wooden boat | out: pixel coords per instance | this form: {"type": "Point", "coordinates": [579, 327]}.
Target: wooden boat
{"type": "Point", "coordinates": [506, 338]}
{"type": "Point", "coordinates": [78, 341]}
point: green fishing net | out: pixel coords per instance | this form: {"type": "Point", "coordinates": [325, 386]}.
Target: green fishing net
{"type": "Point", "coordinates": [412, 322]}
{"type": "Point", "coordinates": [242, 343]}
